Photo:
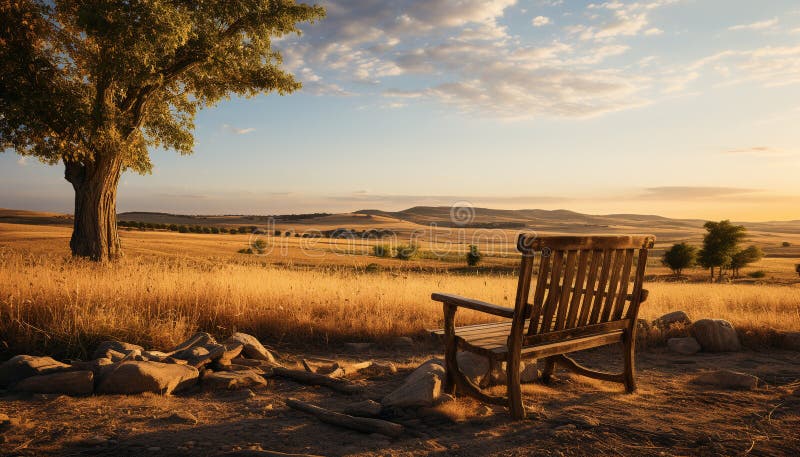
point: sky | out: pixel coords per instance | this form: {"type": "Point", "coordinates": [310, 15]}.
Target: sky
{"type": "Point", "coordinates": [682, 108]}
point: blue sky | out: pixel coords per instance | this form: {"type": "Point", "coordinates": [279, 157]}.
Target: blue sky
{"type": "Point", "coordinates": [675, 107]}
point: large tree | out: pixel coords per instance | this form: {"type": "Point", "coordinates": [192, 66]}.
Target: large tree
{"type": "Point", "coordinates": [95, 84]}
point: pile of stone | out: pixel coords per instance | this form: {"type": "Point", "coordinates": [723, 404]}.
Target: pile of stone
{"type": "Point", "coordinates": [708, 335]}
{"type": "Point", "coordinates": [123, 368]}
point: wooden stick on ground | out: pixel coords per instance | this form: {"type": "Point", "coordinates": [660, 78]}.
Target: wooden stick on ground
{"type": "Point", "coordinates": [306, 365]}
{"type": "Point", "coordinates": [304, 377]}
{"type": "Point", "coordinates": [362, 424]}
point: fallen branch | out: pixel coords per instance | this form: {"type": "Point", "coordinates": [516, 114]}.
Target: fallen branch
{"type": "Point", "coordinates": [362, 424]}
{"type": "Point", "coordinates": [304, 377]}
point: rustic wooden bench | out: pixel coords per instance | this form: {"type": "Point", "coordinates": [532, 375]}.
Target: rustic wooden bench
{"type": "Point", "coordinates": [580, 301]}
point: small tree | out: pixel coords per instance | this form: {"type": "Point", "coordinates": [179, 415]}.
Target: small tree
{"type": "Point", "coordinates": [173, 227]}
{"type": "Point", "coordinates": [406, 251]}
{"type": "Point", "coordinates": [745, 257]}
{"type": "Point", "coordinates": [720, 243]}
{"type": "Point", "coordinates": [678, 257]}
{"type": "Point", "coordinates": [473, 255]}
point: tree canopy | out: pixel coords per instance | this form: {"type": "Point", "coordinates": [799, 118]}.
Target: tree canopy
{"type": "Point", "coordinates": [720, 243]}
{"type": "Point", "coordinates": [679, 257]}
{"type": "Point", "coordinates": [96, 84]}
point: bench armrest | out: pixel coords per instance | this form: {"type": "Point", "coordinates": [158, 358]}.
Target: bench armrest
{"type": "Point", "coordinates": [476, 305]}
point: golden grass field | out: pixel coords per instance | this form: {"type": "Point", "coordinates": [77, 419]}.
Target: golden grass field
{"type": "Point", "coordinates": [169, 285]}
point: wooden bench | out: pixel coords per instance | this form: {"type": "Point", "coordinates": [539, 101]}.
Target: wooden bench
{"type": "Point", "coordinates": [581, 300]}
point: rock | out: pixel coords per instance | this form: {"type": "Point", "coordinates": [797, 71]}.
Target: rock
{"type": "Point", "coordinates": [232, 350]}
{"type": "Point", "coordinates": [685, 346]}
{"type": "Point", "coordinates": [727, 379]}
{"type": "Point", "coordinates": [198, 339]}
{"type": "Point", "coordinates": [475, 367]}
{"type": "Point", "coordinates": [358, 347]}
{"type": "Point", "coordinates": [199, 356]}
{"type": "Point", "coordinates": [183, 417]}
{"type": "Point", "coordinates": [421, 388]}
{"type": "Point", "coordinates": [366, 408]}
{"type": "Point", "coordinates": [252, 348]}
{"type": "Point", "coordinates": [674, 317]}
{"type": "Point", "coordinates": [715, 335]}
{"type": "Point", "coordinates": [790, 341]}
{"type": "Point", "coordinates": [484, 410]}
{"type": "Point", "coordinates": [530, 373]}
{"type": "Point", "coordinates": [133, 377]}
{"type": "Point", "coordinates": [67, 382]}
{"type": "Point", "coordinates": [20, 367]}
{"type": "Point", "coordinates": [95, 366]}
{"type": "Point", "coordinates": [117, 346]}
{"type": "Point", "coordinates": [232, 380]}
{"type": "Point", "coordinates": [403, 342]}
{"type": "Point", "coordinates": [376, 369]}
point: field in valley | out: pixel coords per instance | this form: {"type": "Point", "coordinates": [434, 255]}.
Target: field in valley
{"type": "Point", "coordinates": [305, 297]}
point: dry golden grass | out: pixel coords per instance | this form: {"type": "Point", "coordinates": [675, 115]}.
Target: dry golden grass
{"type": "Point", "coordinates": [50, 303]}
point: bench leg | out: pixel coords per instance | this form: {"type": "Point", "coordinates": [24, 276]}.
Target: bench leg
{"type": "Point", "coordinates": [629, 343]}
{"type": "Point", "coordinates": [549, 369]}
{"type": "Point", "coordinates": [515, 405]}
{"type": "Point", "coordinates": [450, 349]}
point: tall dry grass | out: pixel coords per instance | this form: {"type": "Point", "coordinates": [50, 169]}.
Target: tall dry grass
{"type": "Point", "coordinates": [59, 306]}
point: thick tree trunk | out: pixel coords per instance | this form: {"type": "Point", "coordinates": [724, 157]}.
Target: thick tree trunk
{"type": "Point", "coordinates": [94, 233]}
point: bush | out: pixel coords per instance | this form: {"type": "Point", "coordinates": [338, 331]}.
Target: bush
{"type": "Point", "coordinates": [757, 274]}
{"type": "Point", "coordinates": [206, 229]}
{"type": "Point", "coordinates": [786, 244]}
{"type": "Point", "coordinates": [288, 234]}
{"type": "Point", "coordinates": [173, 227]}
{"type": "Point", "coordinates": [678, 257]}
{"type": "Point", "coordinates": [373, 268]}
{"type": "Point", "coordinates": [183, 229]}
{"type": "Point", "coordinates": [233, 231]}
{"type": "Point", "coordinates": [381, 250]}
{"type": "Point", "coordinates": [215, 230]}
{"type": "Point", "coordinates": [797, 269]}
{"type": "Point", "coordinates": [278, 233]}
{"type": "Point", "coordinates": [473, 255]}
{"type": "Point", "coordinates": [259, 246]}
{"type": "Point", "coordinates": [245, 251]}
{"type": "Point", "coordinates": [223, 230]}
{"type": "Point", "coordinates": [406, 251]}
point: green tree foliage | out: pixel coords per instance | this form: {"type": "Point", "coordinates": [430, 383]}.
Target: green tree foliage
{"type": "Point", "coordinates": [473, 255]}
{"type": "Point", "coordinates": [679, 257]}
{"type": "Point", "coordinates": [406, 251]}
{"type": "Point", "coordinates": [382, 250]}
{"type": "Point", "coordinates": [745, 257]}
{"type": "Point", "coordinates": [173, 227]}
{"type": "Point", "coordinates": [720, 243]}
{"type": "Point", "coordinates": [95, 85]}
{"type": "Point", "coordinates": [183, 229]}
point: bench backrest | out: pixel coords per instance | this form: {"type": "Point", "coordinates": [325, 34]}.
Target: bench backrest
{"type": "Point", "coordinates": [583, 283]}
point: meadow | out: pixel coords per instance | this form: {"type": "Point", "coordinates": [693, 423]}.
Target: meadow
{"type": "Point", "coordinates": [170, 285]}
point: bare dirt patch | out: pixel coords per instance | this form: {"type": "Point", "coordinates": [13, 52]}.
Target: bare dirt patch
{"type": "Point", "coordinates": [669, 415]}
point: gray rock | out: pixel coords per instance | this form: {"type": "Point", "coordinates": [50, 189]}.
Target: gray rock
{"type": "Point", "coordinates": [715, 335]}
{"type": "Point", "coordinates": [475, 367]}
{"type": "Point", "coordinates": [530, 373]}
{"type": "Point", "coordinates": [252, 348]}
{"type": "Point", "coordinates": [66, 382]}
{"type": "Point", "coordinates": [421, 388]}
{"type": "Point", "coordinates": [116, 346]}
{"type": "Point", "coordinates": [674, 317]}
{"type": "Point", "coordinates": [358, 347]}
{"type": "Point", "coordinates": [199, 356]}
{"type": "Point", "coordinates": [20, 367]}
{"type": "Point", "coordinates": [685, 346]}
{"type": "Point", "coordinates": [198, 339]}
{"type": "Point", "coordinates": [727, 379]}
{"type": "Point", "coordinates": [132, 377]}
{"type": "Point", "coordinates": [366, 408]}
{"type": "Point", "coordinates": [499, 375]}
{"type": "Point", "coordinates": [790, 341]}
{"type": "Point", "coordinates": [232, 380]}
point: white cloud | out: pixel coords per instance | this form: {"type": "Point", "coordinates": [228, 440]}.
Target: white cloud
{"type": "Point", "coordinates": [760, 25]}
{"type": "Point", "coordinates": [238, 131]}
{"type": "Point", "coordinates": [540, 21]}
{"type": "Point", "coordinates": [653, 31]}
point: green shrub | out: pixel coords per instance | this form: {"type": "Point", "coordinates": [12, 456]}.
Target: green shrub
{"type": "Point", "coordinates": [373, 268]}
{"type": "Point", "coordinates": [473, 255]}
{"type": "Point", "coordinates": [786, 244]}
{"type": "Point", "coordinates": [173, 227]}
{"type": "Point", "coordinates": [206, 229]}
{"type": "Point", "coordinates": [215, 230]}
{"type": "Point", "coordinates": [278, 233]}
{"type": "Point", "coordinates": [183, 229]}
{"type": "Point", "coordinates": [223, 230]}
{"type": "Point", "coordinates": [678, 257]}
{"type": "Point", "coordinates": [259, 246]}
{"type": "Point", "coordinates": [245, 251]}
{"type": "Point", "coordinates": [233, 232]}
{"type": "Point", "coordinates": [382, 250]}
{"type": "Point", "coordinates": [757, 274]}
{"type": "Point", "coordinates": [406, 251]}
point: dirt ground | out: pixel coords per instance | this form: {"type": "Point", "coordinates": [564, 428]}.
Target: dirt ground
{"type": "Point", "coordinates": [669, 415]}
